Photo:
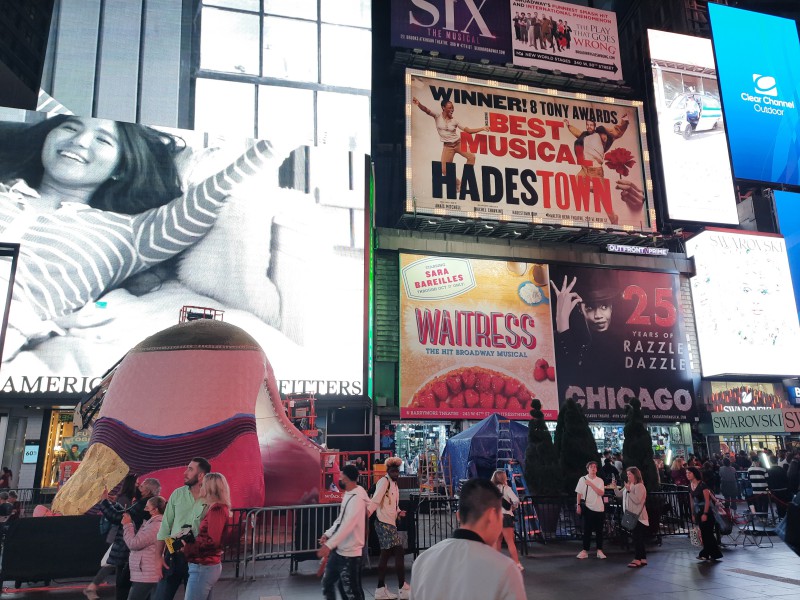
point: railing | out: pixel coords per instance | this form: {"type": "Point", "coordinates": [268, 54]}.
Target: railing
{"type": "Point", "coordinates": [30, 498]}
{"type": "Point", "coordinates": [283, 532]}
{"type": "Point", "coordinates": [293, 532]}
{"type": "Point", "coordinates": [434, 520]}
{"type": "Point", "coordinates": [668, 512]}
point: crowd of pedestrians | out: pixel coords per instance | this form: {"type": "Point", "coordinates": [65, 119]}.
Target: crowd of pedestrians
{"type": "Point", "coordinates": [158, 545]}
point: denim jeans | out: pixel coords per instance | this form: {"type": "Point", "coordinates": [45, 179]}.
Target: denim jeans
{"type": "Point", "coordinates": [141, 591]}
{"type": "Point", "coordinates": [201, 579]}
{"type": "Point", "coordinates": [346, 572]}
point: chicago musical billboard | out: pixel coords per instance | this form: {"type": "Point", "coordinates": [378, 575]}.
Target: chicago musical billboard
{"type": "Point", "coordinates": [620, 335]}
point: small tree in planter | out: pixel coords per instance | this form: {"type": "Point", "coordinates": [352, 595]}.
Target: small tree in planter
{"type": "Point", "coordinates": [542, 471]}
{"type": "Point", "coordinates": [541, 460]}
{"type": "Point", "coordinates": [576, 444]}
{"type": "Point", "coordinates": [637, 449]}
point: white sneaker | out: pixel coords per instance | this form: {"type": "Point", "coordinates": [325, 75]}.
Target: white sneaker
{"type": "Point", "coordinates": [383, 593]}
{"type": "Point", "coordinates": [405, 591]}
{"type": "Point", "coordinates": [583, 554]}
{"type": "Point", "coordinates": [601, 554]}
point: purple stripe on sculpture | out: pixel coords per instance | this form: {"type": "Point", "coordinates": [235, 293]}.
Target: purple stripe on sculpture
{"type": "Point", "coordinates": [144, 454]}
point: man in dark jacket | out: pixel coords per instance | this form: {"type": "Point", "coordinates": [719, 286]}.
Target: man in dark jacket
{"type": "Point", "coordinates": [778, 484]}
{"type": "Point", "coordinates": [608, 471]}
{"type": "Point", "coordinates": [113, 511]}
{"type": "Point", "coordinates": [793, 474]}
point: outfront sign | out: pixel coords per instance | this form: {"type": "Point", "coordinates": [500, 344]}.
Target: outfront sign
{"type": "Point", "coordinates": [760, 92]}
{"type": "Point", "coordinates": [546, 157]}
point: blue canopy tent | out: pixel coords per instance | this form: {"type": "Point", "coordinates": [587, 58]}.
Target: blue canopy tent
{"type": "Point", "coordinates": [473, 453]}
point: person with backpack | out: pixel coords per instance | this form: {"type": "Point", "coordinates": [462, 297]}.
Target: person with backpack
{"type": "Point", "coordinates": [386, 502]}
{"type": "Point", "coordinates": [341, 545]}
{"type": "Point", "coordinates": [591, 507]}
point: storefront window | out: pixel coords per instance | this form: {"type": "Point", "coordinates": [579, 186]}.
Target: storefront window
{"type": "Point", "coordinates": [711, 87]}
{"type": "Point", "coordinates": [60, 432]}
{"type": "Point", "coordinates": [673, 86]}
{"type": "Point", "coordinates": [413, 439]}
{"type": "Point", "coordinates": [691, 83]}
{"type": "Point", "coordinates": [749, 443]}
{"type": "Point", "coordinates": [670, 441]}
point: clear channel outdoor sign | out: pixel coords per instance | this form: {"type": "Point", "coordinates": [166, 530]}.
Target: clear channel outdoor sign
{"type": "Point", "coordinates": [760, 92]}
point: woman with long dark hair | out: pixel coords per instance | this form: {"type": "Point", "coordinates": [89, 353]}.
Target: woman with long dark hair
{"type": "Point", "coordinates": [92, 202]}
{"type": "Point", "coordinates": [702, 515]}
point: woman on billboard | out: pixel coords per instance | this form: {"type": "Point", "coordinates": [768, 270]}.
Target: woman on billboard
{"type": "Point", "coordinates": [92, 202]}
{"type": "Point", "coordinates": [447, 126]}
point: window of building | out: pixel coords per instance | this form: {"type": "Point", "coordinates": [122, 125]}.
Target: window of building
{"type": "Point", "coordinates": [298, 70]}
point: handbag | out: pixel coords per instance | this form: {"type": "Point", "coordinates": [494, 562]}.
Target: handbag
{"type": "Point", "coordinates": [506, 504]}
{"type": "Point", "coordinates": [583, 499]}
{"type": "Point", "coordinates": [695, 537]}
{"type": "Point", "coordinates": [630, 519]}
{"type": "Point", "coordinates": [104, 560]}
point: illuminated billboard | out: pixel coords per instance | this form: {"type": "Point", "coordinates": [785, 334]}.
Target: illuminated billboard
{"type": "Point", "coordinates": [475, 338]}
{"type": "Point", "coordinates": [694, 149]}
{"type": "Point", "coordinates": [120, 225]}
{"type": "Point", "coordinates": [566, 37]}
{"type": "Point", "coordinates": [620, 335]}
{"type": "Point", "coordinates": [486, 151]}
{"type": "Point", "coordinates": [760, 92]}
{"type": "Point", "coordinates": [787, 209]}
{"type": "Point", "coordinates": [473, 30]}
{"type": "Point", "coordinates": [744, 304]}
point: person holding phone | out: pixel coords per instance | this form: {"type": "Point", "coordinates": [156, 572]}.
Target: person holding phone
{"type": "Point", "coordinates": [591, 507]}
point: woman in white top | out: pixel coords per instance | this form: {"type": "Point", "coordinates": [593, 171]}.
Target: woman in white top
{"type": "Point", "coordinates": [634, 496]}
{"type": "Point", "coordinates": [590, 489]}
{"type": "Point", "coordinates": [510, 503]}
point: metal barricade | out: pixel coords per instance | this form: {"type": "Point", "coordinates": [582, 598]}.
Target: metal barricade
{"type": "Point", "coordinates": [281, 532]}
{"type": "Point", "coordinates": [435, 520]}
{"type": "Point", "coordinates": [668, 511]}
{"type": "Point", "coordinates": [30, 498]}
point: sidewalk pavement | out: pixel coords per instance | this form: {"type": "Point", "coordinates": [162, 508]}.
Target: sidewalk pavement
{"type": "Point", "coordinates": [551, 572]}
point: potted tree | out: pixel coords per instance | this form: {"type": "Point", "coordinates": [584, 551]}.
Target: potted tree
{"type": "Point", "coordinates": [542, 470]}
{"type": "Point", "coordinates": [576, 444]}
{"type": "Point", "coordinates": [637, 451]}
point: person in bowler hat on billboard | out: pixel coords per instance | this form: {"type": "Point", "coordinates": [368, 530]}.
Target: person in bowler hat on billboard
{"type": "Point", "coordinates": [585, 336]}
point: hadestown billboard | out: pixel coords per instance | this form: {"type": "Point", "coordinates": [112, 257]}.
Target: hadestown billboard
{"type": "Point", "coordinates": [485, 151]}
